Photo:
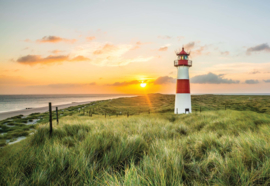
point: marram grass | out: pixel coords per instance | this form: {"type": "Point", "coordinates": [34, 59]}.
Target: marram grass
{"type": "Point", "coordinates": [208, 148]}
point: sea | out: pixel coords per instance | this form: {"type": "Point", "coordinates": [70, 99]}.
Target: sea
{"type": "Point", "coordinates": [19, 102]}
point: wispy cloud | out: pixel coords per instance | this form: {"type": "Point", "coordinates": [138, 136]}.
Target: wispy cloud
{"type": "Point", "coordinates": [225, 53]}
{"type": "Point", "coordinates": [212, 78]}
{"type": "Point", "coordinates": [164, 37]}
{"type": "Point", "coordinates": [91, 38]}
{"type": "Point", "coordinates": [56, 51]}
{"type": "Point", "coordinates": [55, 39]}
{"type": "Point", "coordinates": [262, 47]}
{"type": "Point", "coordinates": [124, 83]}
{"type": "Point", "coordinates": [107, 54]}
{"type": "Point", "coordinates": [267, 81]}
{"type": "Point", "coordinates": [164, 80]}
{"type": "Point", "coordinates": [255, 72]}
{"type": "Point", "coordinates": [195, 49]}
{"type": "Point", "coordinates": [64, 85]}
{"type": "Point", "coordinates": [37, 59]}
{"type": "Point", "coordinates": [251, 81]}
{"type": "Point", "coordinates": [165, 48]}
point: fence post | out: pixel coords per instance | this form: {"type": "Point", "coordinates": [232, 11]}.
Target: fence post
{"type": "Point", "coordinates": [225, 106]}
{"type": "Point", "coordinates": [105, 114]}
{"type": "Point", "coordinates": [200, 110]}
{"type": "Point", "coordinates": [149, 111]}
{"type": "Point", "coordinates": [50, 117]}
{"type": "Point", "coordinates": [57, 115]}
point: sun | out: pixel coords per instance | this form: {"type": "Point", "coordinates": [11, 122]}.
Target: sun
{"type": "Point", "coordinates": [143, 85]}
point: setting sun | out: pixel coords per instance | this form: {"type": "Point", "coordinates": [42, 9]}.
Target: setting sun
{"type": "Point", "coordinates": [143, 85]}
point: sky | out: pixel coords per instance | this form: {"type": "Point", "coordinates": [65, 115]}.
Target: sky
{"type": "Point", "coordinates": [112, 46]}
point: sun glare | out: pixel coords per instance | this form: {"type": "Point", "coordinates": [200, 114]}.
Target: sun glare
{"type": "Point", "coordinates": [143, 85]}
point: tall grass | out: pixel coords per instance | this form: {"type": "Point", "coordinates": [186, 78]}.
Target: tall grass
{"type": "Point", "coordinates": [211, 148]}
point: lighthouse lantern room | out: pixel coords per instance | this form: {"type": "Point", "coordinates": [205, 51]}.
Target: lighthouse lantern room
{"type": "Point", "coordinates": [182, 96]}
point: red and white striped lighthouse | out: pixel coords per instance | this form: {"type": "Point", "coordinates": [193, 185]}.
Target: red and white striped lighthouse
{"type": "Point", "coordinates": [182, 96]}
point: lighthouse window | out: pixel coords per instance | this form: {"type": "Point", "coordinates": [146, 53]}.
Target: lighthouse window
{"type": "Point", "coordinates": [185, 57]}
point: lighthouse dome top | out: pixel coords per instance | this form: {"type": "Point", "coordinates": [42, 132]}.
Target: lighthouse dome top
{"type": "Point", "coordinates": [183, 52]}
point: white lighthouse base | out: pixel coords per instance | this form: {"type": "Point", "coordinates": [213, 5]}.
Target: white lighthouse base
{"type": "Point", "coordinates": [182, 104]}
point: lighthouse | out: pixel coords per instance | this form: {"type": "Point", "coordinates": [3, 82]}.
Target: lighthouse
{"type": "Point", "coordinates": [182, 96]}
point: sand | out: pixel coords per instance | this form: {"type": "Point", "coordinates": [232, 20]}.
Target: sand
{"type": "Point", "coordinates": [25, 112]}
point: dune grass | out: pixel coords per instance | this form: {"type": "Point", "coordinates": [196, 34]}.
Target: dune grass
{"type": "Point", "coordinates": [209, 148]}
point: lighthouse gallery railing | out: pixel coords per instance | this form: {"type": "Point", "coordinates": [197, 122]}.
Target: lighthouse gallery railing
{"type": "Point", "coordinates": [176, 63]}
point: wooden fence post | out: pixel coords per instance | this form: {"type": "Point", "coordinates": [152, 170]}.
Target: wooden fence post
{"type": "Point", "coordinates": [50, 117]}
{"type": "Point", "coordinates": [105, 114]}
{"type": "Point", "coordinates": [200, 110]}
{"type": "Point", "coordinates": [225, 106]}
{"type": "Point", "coordinates": [149, 111]}
{"type": "Point", "coordinates": [57, 115]}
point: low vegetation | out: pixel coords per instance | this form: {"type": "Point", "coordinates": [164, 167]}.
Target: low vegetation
{"type": "Point", "coordinates": [214, 147]}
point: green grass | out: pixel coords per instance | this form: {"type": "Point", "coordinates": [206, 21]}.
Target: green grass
{"type": "Point", "coordinates": [222, 147]}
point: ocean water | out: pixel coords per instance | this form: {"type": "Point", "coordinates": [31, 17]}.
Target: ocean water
{"type": "Point", "coordinates": [19, 102]}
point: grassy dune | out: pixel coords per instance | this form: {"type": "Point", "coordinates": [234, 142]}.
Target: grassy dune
{"type": "Point", "coordinates": [221, 147]}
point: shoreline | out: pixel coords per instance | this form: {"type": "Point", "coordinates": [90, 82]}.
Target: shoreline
{"type": "Point", "coordinates": [26, 112]}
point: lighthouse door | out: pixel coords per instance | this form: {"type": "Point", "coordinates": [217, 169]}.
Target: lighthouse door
{"type": "Point", "coordinates": [187, 110]}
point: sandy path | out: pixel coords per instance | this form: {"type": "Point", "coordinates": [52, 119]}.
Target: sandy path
{"type": "Point", "coordinates": [25, 112]}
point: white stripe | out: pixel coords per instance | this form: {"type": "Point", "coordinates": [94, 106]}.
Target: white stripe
{"type": "Point", "coordinates": [182, 102]}
{"type": "Point", "coordinates": [182, 72]}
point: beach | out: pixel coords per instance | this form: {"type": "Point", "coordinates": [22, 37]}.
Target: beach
{"type": "Point", "coordinates": [25, 112]}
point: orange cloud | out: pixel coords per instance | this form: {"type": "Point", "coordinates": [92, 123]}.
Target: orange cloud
{"type": "Point", "coordinates": [37, 59]}
{"type": "Point", "coordinates": [107, 54]}
{"type": "Point", "coordinates": [163, 48]}
{"type": "Point", "coordinates": [54, 39]}
{"type": "Point", "coordinates": [90, 38]}
{"type": "Point", "coordinates": [106, 49]}
{"type": "Point", "coordinates": [64, 85]}
{"type": "Point", "coordinates": [56, 51]}
{"type": "Point", "coordinates": [124, 83]}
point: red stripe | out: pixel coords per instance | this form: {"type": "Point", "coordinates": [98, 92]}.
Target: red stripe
{"type": "Point", "coordinates": [182, 86]}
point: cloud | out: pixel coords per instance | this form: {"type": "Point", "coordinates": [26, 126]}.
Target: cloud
{"type": "Point", "coordinates": [164, 37]}
{"type": "Point", "coordinates": [64, 85]}
{"type": "Point", "coordinates": [54, 39]}
{"type": "Point", "coordinates": [195, 49]}
{"type": "Point", "coordinates": [251, 81]}
{"type": "Point", "coordinates": [107, 54]}
{"type": "Point", "coordinates": [164, 80]}
{"type": "Point", "coordinates": [255, 72]}
{"type": "Point", "coordinates": [125, 83]}
{"type": "Point", "coordinates": [267, 81]}
{"type": "Point", "coordinates": [56, 51]}
{"type": "Point", "coordinates": [165, 48]}
{"type": "Point", "coordinates": [108, 48]}
{"type": "Point", "coordinates": [37, 59]}
{"type": "Point", "coordinates": [27, 40]}
{"type": "Point", "coordinates": [180, 38]}
{"type": "Point", "coordinates": [91, 38]}
{"type": "Point", "coordinates": [226, 53]}
{"type": "Point", "coordinates": [212, 78]}
{"type": "Point", "coordinates": [138, 45]}
{"type": "Point", "coordinates": [189, 46]}
{"type": "Point", "coordinates": [262, 47]}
